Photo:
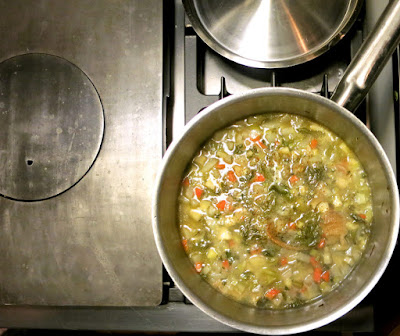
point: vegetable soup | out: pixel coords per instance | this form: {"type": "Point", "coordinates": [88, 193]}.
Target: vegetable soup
{"type": "Point", "coordinates": [274, 211]}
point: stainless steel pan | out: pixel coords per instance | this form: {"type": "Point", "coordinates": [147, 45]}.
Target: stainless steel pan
{"type": "Point", "coordinates": [271, 33]}
{"type": "Point", "coordinates": [351, 90]}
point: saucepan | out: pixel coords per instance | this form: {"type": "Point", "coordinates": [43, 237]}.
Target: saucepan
{"type": "Point", "coordinates": [333, 114]}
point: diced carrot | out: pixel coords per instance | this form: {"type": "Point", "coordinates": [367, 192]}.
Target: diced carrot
{"type": "Point", "coordinates": [259, 178]}
{"type": "Point", "coordinates": [255, 250]}
{"type": "Point", "coordinates": [231, 243]}
{"type": "Point", "coordinates": [255, 139]}
{"type": "Point", "coordinates": [185, 244]}
{"type": "Point", "coordinates": [220, 166]}
{"type": "Point", "coordinates": [272, 293]}
{"type": "Point", "coordinates": [325, 276]}
{"type": "Point", "coordinates": [317, 274]}
{"type": "Point", "coordinates": [225, 264]}
{"type": "Point", "coordinates": [321, 243]}
{"type": "Point", "coordinates": [198, 192]}
{"type": "Point", "coordinates": [185, 182]}
{"type": "Point", "coordinates": [277, 143]}
{"type": "Point", "coordinates": [221, 205]}
{"type": "Point", "coordinates": [293, 179]}
{"type": "Point", "coordinates": [284, 261]}
{"type": "Point", "coordinates": [292, 226]}
{"type": "Point", "coordinates": [198, 266]}
{"type": "Point", "coordinates": [362, 216]}
{"type": "Point", "coordinates": [261, 144]}
{"type": "Point", "coordinates": [231, 176]}
{"type": "Point", "coordinates": [314, 262]}
{"type": "Point", "coordinates": [314, 143]}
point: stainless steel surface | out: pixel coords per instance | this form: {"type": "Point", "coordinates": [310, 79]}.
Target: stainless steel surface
{"type": "Point", "coordinates": [93, 244]}
{"type": "Point", "coordinates": [370, 59]}
{"type": "Point", "coordinates": [385, 206]}
{"type": "Point", "coordinates": [271, 33]}
{"type": "Point", "coordinates": [51, 126]}
{"type": "Point", "coordinates": [169, 318]}
{"type": "Point", "coordinates": [380, 100]}
{"type": "Point", "coordinates": [178, 68]}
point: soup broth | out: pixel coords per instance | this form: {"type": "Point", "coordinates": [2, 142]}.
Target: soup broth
{"type": "Point", "coordinates": [274, 211]}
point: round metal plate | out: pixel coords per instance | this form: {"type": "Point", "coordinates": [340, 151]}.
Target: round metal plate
{"type": "Point", "coordinates": [271, 33]}
{"type": "Point", "coordinates": [51, 126]}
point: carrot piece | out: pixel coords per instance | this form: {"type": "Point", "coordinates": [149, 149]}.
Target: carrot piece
{"type": "Point", "coordinates": [255, 139]}
{"type": "Point", "coordinates": [225, 264]}
{"type": "Point", "coordinates": [231, 243]}
{"type": "Point", "coordinates": [272, 293]}
{"type": "Point", "coordinates": [317, 274]}
{"type": "Point", "coordinates": [185, 182]}
{"type": "Point", "coordinates": [325, 276]}
{"type": "Point", "coordinates": [314, 143]}
{"type": "Point", "coordinates": [221, 205]}
{"type": "Point", "coordinates": [198, 192]}
{"type": "Point", "coordinates": [185, 245]}
{"type": "Point", "coordinates": [314, 262]}
{"type": "Point", "coordinates": [284, 261]}
{"type": "Point", "coordinates": [292, 226]}
{"type": "Point", "coordinates": [321, 243]}
{"type": "Point", "coordinates": [259, 178]}
{"type": "Point", "coordinates": [261, 144]}
{"type": "Point", "coordinates": [255, 250]}
{"type": "Point", "coordinates": [231, 176]}
{"type": "Point", "coordinates": [277, 143]}
{"type": "Point", "coordinates": [198, 266]}
{"type": "Point", "coordinates": [293, 179]}
{"type": "Point", "coordinates": [362, 216]}
{"type": "Point", "coordinates": [220, 166]}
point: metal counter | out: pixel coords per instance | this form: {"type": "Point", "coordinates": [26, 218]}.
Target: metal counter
{"type": "Point", "coordinates": [81, 137]}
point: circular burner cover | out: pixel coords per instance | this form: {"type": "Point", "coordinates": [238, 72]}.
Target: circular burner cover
{"type": "Point", "coordinates": [51, 126]}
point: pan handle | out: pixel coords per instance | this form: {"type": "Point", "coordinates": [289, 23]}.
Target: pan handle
{"type": "Point", "coordinates": [370, 59]}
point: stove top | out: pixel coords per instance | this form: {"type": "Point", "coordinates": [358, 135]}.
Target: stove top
{"type": "Point", "coordinates": [80, 142]}
{"type": "Point", "coordinates": [200, 77]}
{"type": "Point", "coordinates": [106, 86]}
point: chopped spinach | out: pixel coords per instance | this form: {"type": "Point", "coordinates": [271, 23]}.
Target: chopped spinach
{"type": "Point", "coordinates": [249, 232]}
{"type": "Point", "coordinates": [357, 218]}
{"type": "Point", "coordinates": [239, 149]}
{"type": "Point", "coordinates": [250, 175]}
{"type": "Point", "coordinates": [270, 251]}
{"type": "Point", "coordinates": [279, 188]}
{"type": "Point", "coordinates": [262, 302]}
{"type": "Point", "coordinates": [315, 174]}
{"type": "Point", "coordinates": [310, 234]}
{"type": "Point", "coordinates": [246, 275]}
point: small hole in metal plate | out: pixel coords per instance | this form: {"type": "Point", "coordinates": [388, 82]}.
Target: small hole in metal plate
{"type": "Point", "coordinates": [29, 162]}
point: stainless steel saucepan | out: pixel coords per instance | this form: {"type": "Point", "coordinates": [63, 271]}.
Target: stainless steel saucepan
{"type": "Point", "coordinates": [332, 114]}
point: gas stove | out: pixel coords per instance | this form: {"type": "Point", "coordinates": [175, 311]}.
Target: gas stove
{"type": "Point", "coordinates": [200, 77]}
{"type": "Point", "coordinates": [106, 86]}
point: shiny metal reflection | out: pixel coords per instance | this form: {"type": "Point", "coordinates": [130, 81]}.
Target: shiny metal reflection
{"type": "Point", "coordinates": [271, 33]}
